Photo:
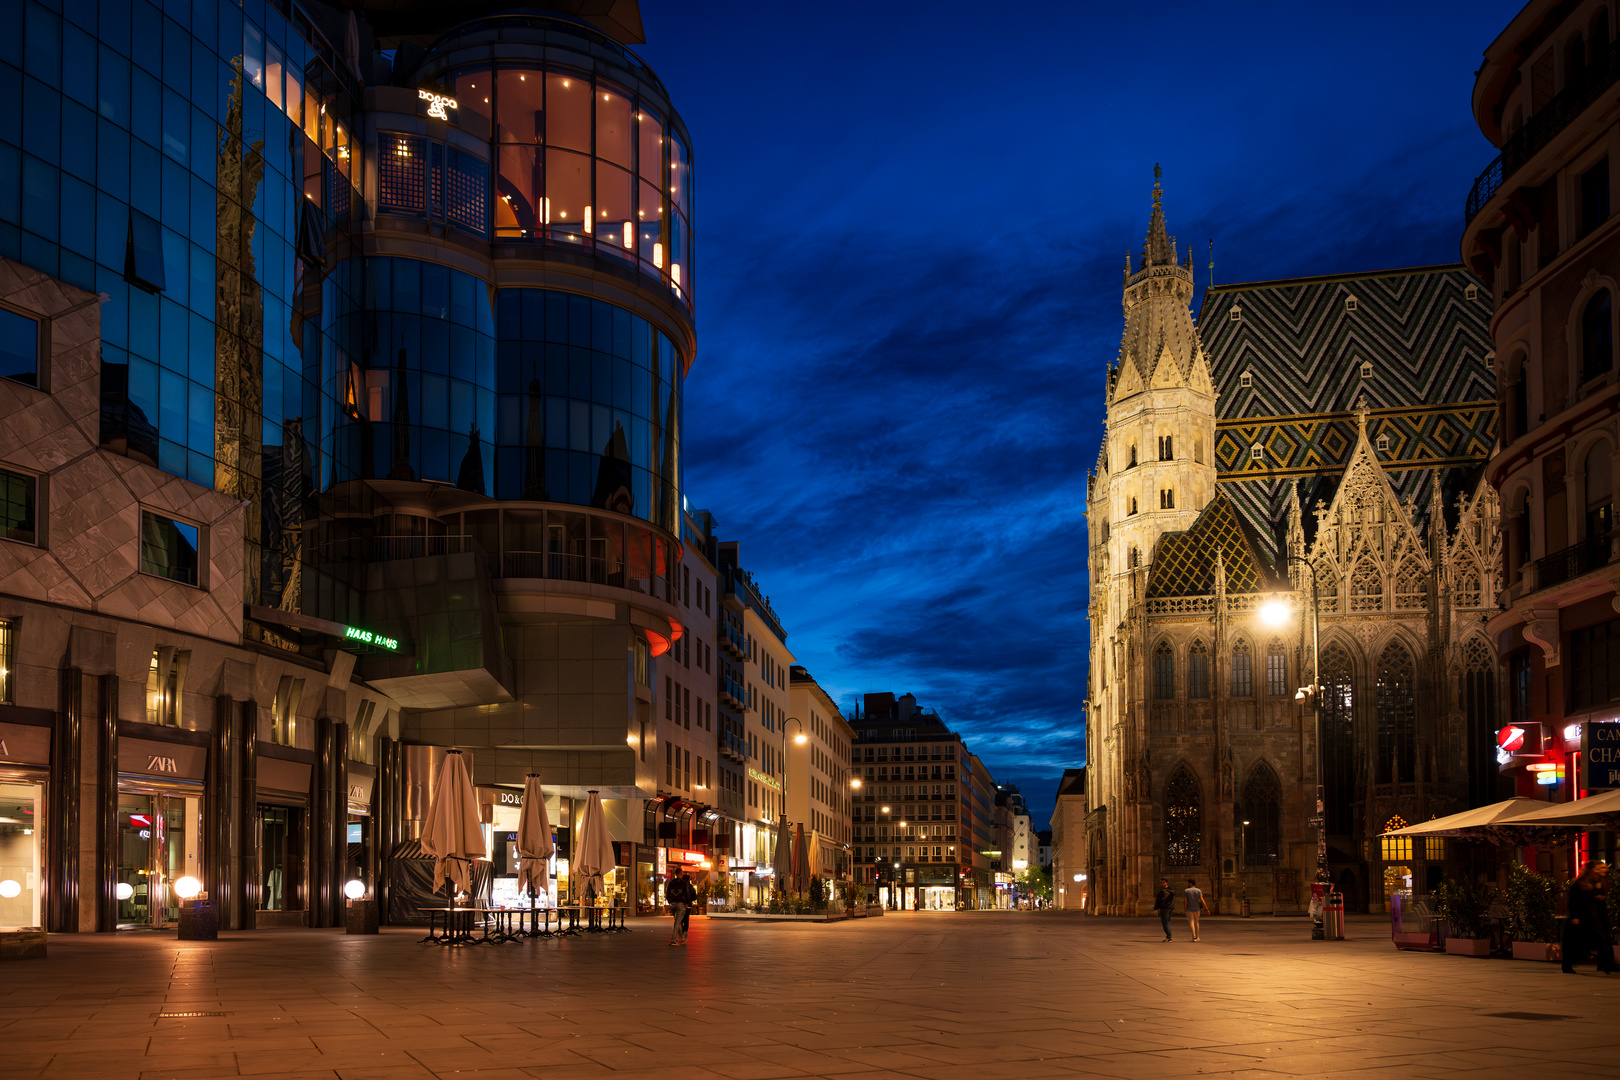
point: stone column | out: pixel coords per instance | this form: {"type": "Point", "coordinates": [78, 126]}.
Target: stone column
{"type": "Point", "coordinates": [66, 795]}
{"type": "Point", "coordinates": [106, 901]}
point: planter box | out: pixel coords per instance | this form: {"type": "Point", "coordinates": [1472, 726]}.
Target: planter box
{"type": "Point", "coordinates": [1535, 950]}
{"type": "Point", "coordinates": [874, 909]}
{"type": "Point", "coordinates": [1468, 946]}
{"type": "Point", "coordinates": [775, 918]}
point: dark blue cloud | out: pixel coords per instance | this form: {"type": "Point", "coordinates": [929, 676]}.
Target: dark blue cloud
{"type": "Point", "coordinates": [912, 225]}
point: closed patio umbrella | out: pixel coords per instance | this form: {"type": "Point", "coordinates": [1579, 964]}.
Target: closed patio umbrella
{"type": "Point", "coordinates": [593, 856]}
{"type": "Point", "coordinates": [534, 844]}
{"type": "Point", "coordinates": [782, 857]}
{"type": "Point", "coordinates": [801, 861]}
{"type": "Point", "coordinates": [451, 832]}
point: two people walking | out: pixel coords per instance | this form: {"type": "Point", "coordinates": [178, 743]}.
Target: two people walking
{"type": "Point", "coordinates": [1164, 902]}
{"type": "Point", "coordinates": [1587, 932]}
{"type": "Point", "coordinates": [679, 895]}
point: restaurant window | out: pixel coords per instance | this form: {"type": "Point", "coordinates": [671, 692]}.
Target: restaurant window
{"type": "Point", "coordinates": [1242, 670]}
{"type": "Point", "coordinates": [19, 511]}
{"type": "Point", "coordinates": [169, 548]}
{"type": "Point", "coordinates": [1183, 820]}
{"type": "Point", "coordinates": [22, 347]}
{"type": "Point", "coordinates": [165, 683]}
{"type": "Point", "coordinates": [1395, 848]}
{"type": "Point", "coordinates": [1434, 848]}
{"type": "Point", "coordinates": [284, 711]}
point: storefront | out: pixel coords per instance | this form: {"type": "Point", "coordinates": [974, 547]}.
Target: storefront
{"type": "Point", "coordinates": [25, 754]}
{"type": "Point", "coordinates": [282, 821]}
{"type": "Point", "coordinates": [360, 860]}
{"type": "Point", "coordinates": [161, 786]}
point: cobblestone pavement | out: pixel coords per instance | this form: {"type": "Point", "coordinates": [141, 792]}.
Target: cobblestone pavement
{"type": "Point", "coordinates": [975, 996]}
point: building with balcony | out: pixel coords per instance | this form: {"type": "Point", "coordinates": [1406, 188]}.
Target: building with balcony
{"type": "Point", "coordinates": [1316, 444]}
{"type": "Point", "coordinates": [913, 822]}
{"type": "Point", "coordinates": [383, 315]}
{"type": "Point", "coordinates": [1540, 230]}
{"type": "Point", "coordinates": [819, 773]}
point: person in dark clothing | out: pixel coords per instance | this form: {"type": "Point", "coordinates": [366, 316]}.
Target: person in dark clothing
{"type": "Point", "coordinates": [1163, 902]}
{"type": "Point", "coordinates": [679, 895]}
{"type": "Point", "coordinates": [1586, 930]}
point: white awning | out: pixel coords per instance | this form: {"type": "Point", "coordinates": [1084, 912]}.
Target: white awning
{"type": "Point", "coordinates": [1600, 810]}
{"type": "Point", "coordinates": [1469, 822]}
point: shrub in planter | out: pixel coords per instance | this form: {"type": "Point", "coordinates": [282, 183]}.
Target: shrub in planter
{"type": "Point", "coordinates": [1462, 905]}
{"type": "Point", "coordinates": [1532, 903]}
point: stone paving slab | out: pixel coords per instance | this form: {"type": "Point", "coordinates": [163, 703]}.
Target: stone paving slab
{"type": "Point", "coordinates": [915, 996]}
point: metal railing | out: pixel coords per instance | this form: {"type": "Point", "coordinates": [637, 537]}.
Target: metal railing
{"type": "Point", "coordinates": [1572, 562]}
{"type": "Point", "coordinates": [1543, 126]}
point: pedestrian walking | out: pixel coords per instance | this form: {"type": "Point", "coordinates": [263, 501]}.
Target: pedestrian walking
{"type": "Point", "coordinates": [679, 894]}
{"type": "Point", "coordinates": [1164, 902]}
{"type": "Point", "coordinates": [1195, 906]}
{"type": "Point", "coordinates": [1586, 931]}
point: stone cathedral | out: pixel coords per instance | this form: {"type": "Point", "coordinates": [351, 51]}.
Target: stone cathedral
{"type": "Point", "coordinates": [1328, 429]}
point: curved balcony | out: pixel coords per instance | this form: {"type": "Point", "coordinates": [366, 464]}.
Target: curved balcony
{"type": "Point", "coordinates": [1543, 127]}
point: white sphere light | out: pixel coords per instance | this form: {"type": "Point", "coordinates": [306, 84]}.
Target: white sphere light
{"type": "Point", "coordinates": [187, 887]}
{"type": "Point", "coordinates": [124, 890]}
{"type": "Point", "coordinates": [354, 889]}
{"type": "Point", "coordinates": [10, 889]}
{"type": "Point", "coordinates": [1273, 612]}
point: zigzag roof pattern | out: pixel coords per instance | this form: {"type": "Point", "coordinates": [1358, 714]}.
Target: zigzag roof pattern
{"type": "Point", "coordinates": [1302, 346]}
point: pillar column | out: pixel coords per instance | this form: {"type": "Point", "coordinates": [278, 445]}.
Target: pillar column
{"type": "Point", "coordinates": [62, 901]}
{"type": "Point", "coordinates": [106, 902]}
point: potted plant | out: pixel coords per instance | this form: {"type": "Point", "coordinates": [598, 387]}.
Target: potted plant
{"type": "Point", "coordinates": [1532, 920]}
{"type": "Point", "coordinates": [1463, 904]}
{"type": "Point", "coordinates": [1614, 909]}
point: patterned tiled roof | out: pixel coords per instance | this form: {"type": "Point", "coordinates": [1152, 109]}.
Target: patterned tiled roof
{"type": "Point", "coordinates": [1184, 563]}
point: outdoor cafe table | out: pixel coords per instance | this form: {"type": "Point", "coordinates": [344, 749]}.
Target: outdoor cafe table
{"type": "Point", "coordinates": [594, 921]}
{"type": "Point", "coordinates": [458, 926]}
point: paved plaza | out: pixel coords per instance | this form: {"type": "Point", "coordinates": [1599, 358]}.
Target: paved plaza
{"type": "Point", "coordinates": [944, 996]}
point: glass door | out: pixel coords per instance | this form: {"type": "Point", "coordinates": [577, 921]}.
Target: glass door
{"type": "Point", "coordinates": [281, 858]}
{"type": "Point", "coordinates": [158, 844]}
{"type": "Point", "coordinates": [20, 810]}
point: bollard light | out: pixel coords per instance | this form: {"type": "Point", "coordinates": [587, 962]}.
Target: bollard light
{"type": "Point", "coordinates": [187, 888]}
{"type": "Point", "coordinates": [10, 889]}
{"type": "Point", "coordinates": [354, 889]}
{"type": "Point", "coordinates": [124, 890]}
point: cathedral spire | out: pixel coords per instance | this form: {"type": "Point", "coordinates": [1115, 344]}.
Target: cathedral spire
{"type": "Point", "coordinates": [1158, 249]}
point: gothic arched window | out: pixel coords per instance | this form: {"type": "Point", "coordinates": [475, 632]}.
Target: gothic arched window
{"type": "Point", "coordinates": [1397, 735]}
{"type": "Point", "coordinates": [1262, 800]}
{"type": "Point", "coordinates": [1597, 336]}
{"type": "Point", "coordinates": [1338, 745]}
{"type": "Point", "coordinates": [1183, 820]}
{"type": "Point", "coordinates": [1409, 587]}
{"type": "Point", "coordinates": [1198, 670]}
{"type": "Point", "coordinates": [1242, 670]}
{"type": "Point", "coordinates": [1366, 587]}
{"type": "Point", "coordinates": [1276, 669]}
{"type": "Point", "coordinates": [1468, 586]}
{"type": "Point", "coordinates": [1164, 672]}
{"type": "Point", "coordinates": [1479, 705]}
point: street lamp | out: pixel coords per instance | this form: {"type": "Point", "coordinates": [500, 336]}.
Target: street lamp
{"type": "Point", "coordinates": [1275, 613]}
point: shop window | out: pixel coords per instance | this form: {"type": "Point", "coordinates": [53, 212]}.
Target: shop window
{"type": "Point", "coordinates": [169, 548]}
{"type": "Point", "coordinates": [165, 685]}
{"type": "Point", "coordinates": [18, 507]}
{"type": "Point", "coordinates": [1434, 848]}
{"type": "Point", "coordinates": [284, 711]}
{"type": "Point", "coordinates": [8, 660]}
{"type": "Point", "coordinates": [22, 347]}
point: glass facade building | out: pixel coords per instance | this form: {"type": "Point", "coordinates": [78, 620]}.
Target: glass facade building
{"type": "Point", "coordinates": [404, 299]}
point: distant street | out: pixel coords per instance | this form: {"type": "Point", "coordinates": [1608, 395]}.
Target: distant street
{"type": "Point", "coordinates": [974, 996]}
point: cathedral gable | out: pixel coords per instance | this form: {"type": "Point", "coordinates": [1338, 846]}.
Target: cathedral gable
{"type": "Point", "coordinates": [1184, 563]}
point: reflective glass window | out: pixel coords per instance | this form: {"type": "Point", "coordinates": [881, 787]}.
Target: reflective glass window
{"type": "Point", "coordinates": [614, 130]}
{"type": "Point", "coordinates": [568, 112]}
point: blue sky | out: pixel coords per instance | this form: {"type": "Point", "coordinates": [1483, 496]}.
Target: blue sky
{"type": "Point", "coordinates": [912, 223]}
